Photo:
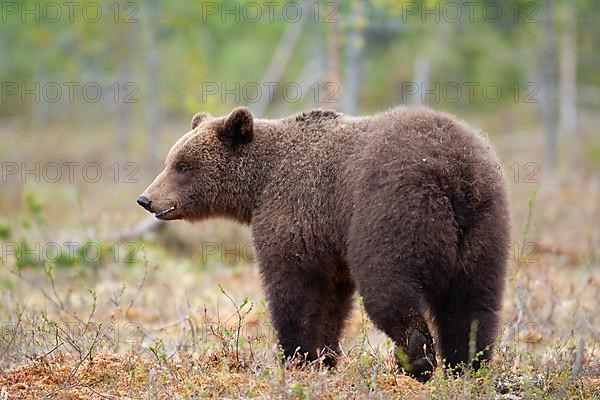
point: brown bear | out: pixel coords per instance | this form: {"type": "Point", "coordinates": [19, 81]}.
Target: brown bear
{"type": "Point", "coordinates": [408, 206]}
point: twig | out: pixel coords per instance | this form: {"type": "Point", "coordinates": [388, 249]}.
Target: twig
{"type": "Point", "coordinates": [103, 395]}
{"type": "Point", "coordinates": [12, 339]}
{"type": "Point", "coordinates": [59, 305]}
{"type": "Point", "coordinates": [240, 321]}
{"type": "Point", "coordinates": [578, 363]}
{"type": "Point", "coordinates": [170, 324]}
{"type": "Point", "coordinates": [139, 287]}
{"type": "Point", "coordinates": [76, 368]}
{"type": "Point", "coordinates": [52, 350]}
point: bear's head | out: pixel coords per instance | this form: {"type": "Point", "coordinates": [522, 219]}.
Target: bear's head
{"type": "Point", "coordinates": [205, 170]}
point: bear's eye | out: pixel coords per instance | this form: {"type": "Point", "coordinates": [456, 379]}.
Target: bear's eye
{"type": "Point", "coordinates": [180, 168]}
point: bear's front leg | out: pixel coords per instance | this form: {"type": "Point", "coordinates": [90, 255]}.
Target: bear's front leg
{"type": "Point", "coordinates": [307, 307]}
{"type": "Point", "coordinates": [295, 296]}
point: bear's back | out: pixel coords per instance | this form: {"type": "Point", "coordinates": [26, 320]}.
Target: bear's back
{"type": "Point", "coordinates": [323, 152]}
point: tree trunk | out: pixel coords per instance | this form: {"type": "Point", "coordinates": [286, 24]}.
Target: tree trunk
{"type": "Point", "coordinates": [548, 84]}
{"type": "Point", "coordinates": [152, 108]}
{"type": "Point", "coordinates": [568, 77]}
{"type": "Point", "coordinates": [354, 58]}
{"type": "Point", "coordinates": [333, 46]}
{"type": "Point", "coordinates": [421, 79]}
{"type": "Point", "coordinates": [122, 108]}
{"type": "Point", "coordinates": [279, 61]}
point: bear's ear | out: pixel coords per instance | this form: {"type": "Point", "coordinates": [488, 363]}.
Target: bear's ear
{"type": "Point", "coordinates": [199, 117]}
{"type": "Point", "coordinates": [238, 127]}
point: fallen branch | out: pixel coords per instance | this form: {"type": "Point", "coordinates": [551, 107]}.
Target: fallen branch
{"type": "Point", "coordinates": [146, 226]}
{"type": "Point", "coordinates": [558, 250]}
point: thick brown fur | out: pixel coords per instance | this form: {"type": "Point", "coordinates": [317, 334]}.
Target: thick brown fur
{"type": "Point", "coordinates": [408, 206]}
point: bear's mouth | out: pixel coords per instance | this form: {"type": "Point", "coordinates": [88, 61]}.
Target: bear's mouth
{"type": "Point", "coordinates": [164, 212]}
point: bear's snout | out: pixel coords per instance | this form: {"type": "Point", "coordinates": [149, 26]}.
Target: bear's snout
{"type": "Point", "coordinates": [144, 202]}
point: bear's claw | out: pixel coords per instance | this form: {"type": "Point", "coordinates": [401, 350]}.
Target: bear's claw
{"type": "Point", "coordinates": [421, 356]}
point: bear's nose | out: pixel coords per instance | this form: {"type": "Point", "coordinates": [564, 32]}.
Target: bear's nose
{"type": "Point", "coordinates": [144, 202]}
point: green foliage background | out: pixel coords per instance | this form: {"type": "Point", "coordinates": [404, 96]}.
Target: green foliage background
{"type": "Point", "coordinates": [193, 48]}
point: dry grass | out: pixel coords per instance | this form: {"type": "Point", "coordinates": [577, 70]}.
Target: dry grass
{"type": "Point", "coordinates": [134, 375]}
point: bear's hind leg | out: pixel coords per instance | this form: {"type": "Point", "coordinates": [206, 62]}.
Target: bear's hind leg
{"type": "Point", "coordinates": [466, 311]}
{"type": "Point", "coordinates": [467, 326]}
{"type": "Point", "coordinates": [396, 308]}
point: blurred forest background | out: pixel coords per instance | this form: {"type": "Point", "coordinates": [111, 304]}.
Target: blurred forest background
{"type": "Point", "coordinates": [115, 83]}
{"type": "Point", "coordinates": [158, 62]}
